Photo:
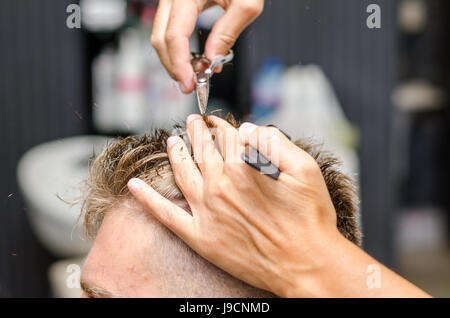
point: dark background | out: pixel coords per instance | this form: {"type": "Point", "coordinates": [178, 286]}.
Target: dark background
{"type": "Point", "coordinates": [44, 95]}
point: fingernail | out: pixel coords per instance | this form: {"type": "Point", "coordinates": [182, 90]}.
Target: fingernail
{"type": "Point", "coordinates": [191, 117]}
{"type": "Point", "coordinates": [172, 141]}
{"type": "Point", "coordinates": [247, 128]}
{"type": "Point", "coordinates": [135, 185]}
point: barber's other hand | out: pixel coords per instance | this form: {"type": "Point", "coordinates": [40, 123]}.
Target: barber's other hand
{"type": "Point", "coordinates": [175, 22]}
{"type": "Point", "coordinates": [268, 233]}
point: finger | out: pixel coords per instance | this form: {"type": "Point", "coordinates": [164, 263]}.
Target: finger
{"type": "Point", "coordinates": [168, 213]}
{"type": "Point", "coordinates": [183, 18]}
{"type": "Point", "coordinates": [218, 69]}
{"type": "Point", "coordinates": [206, 154]}
{"type": "Point", "coordinates": [228, 139]}
{"type": "Point", "coordinates": [158, 33]}
{"type": "Point", "coordinates": [187, 176]}
{"type": "Point", "coordinates": [277, 148]}
{"type": "Point", "coordinates": [228, 28]}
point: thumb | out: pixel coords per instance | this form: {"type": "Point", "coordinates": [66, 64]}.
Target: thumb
{"type": "Point", "coordinates": [228, 28]}
{"type": "Point", "coordinates": [168, 213]}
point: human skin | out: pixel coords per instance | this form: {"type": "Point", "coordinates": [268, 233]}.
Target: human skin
{"type": "Point", "coordinates": [134, 255]}
{"type": "Point", "coordinates": [116, 265]}
{"type": "Point", "coordinates": [280, 236]}
{"type": "Point", "coordinates": [175, 22]}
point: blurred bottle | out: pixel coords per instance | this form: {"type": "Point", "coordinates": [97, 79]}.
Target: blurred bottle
{"type": "Point", "coordinates": [131, 83]}
{"type": "Point", "coordinates": [265, 89]}
{"type": "Point", "coordinates": [119, 87]}
{"type": "Point", "coordinates": [132, 90]}
{"type": "Point", "coordinates": [104, 108]}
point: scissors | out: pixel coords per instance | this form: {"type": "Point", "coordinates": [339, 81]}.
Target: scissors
{"type": "Point", "coordinates": [203, 69]}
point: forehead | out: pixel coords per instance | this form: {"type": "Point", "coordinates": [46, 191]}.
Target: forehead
{"type": "Point", "coordinates": [117, 261]}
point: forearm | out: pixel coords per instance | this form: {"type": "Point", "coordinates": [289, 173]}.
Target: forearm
{"type": "Point", "coordinates": [345, 270]}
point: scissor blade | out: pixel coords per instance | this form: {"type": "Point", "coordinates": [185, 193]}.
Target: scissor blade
{"type": "Point", "coordinates": [202, 97]}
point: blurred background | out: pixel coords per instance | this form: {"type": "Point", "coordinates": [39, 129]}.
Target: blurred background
{"type": "Point", "coordinates": [378, 97]}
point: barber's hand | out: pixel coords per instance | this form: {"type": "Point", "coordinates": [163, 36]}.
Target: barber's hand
{"type": "Point", "coordinates": [280, 236]}
{"type": "Point", "coordinates": [268, 233]}
{"type": "Point", "coordinates": [175, 22]}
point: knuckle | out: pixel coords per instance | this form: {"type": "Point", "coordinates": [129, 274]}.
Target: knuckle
{"type": "Point", "coordinates": [252, 8]}
{"type": "Point", "coordinates": [265, 133]}
{"type": "Point", "coordinates": [310, 169]}
{"type": "Point", "coordinates": [268, 135]}
{"type": "Point", "coordinates": [223, 185]}
{"type": "Point", "coordinates": [157, 41]}
{"type": "Point", "coordinates": [170, 36]}
{"type": "Point", "coordinates": [245, 184]}
{"type": "Point", "coordinates": [214, 192]}
{"type": "Point", "coordinates": [218, 188]}
{"type": "Point", "coordinates": [227, 39]}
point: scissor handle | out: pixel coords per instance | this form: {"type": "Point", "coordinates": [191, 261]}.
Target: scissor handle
{"type": "Point", "coordinates": [220, 61]}
{"type": "Point", "coordinates": [201, 64]}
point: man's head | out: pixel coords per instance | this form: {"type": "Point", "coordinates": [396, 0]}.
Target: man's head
{"type": "Point", "coordinates": [135, 256]}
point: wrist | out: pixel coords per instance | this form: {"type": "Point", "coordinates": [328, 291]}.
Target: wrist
{"type": "Point", "coordinates": [340, 269]}
{"type": "Point", "coordinates": [314, 279]}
